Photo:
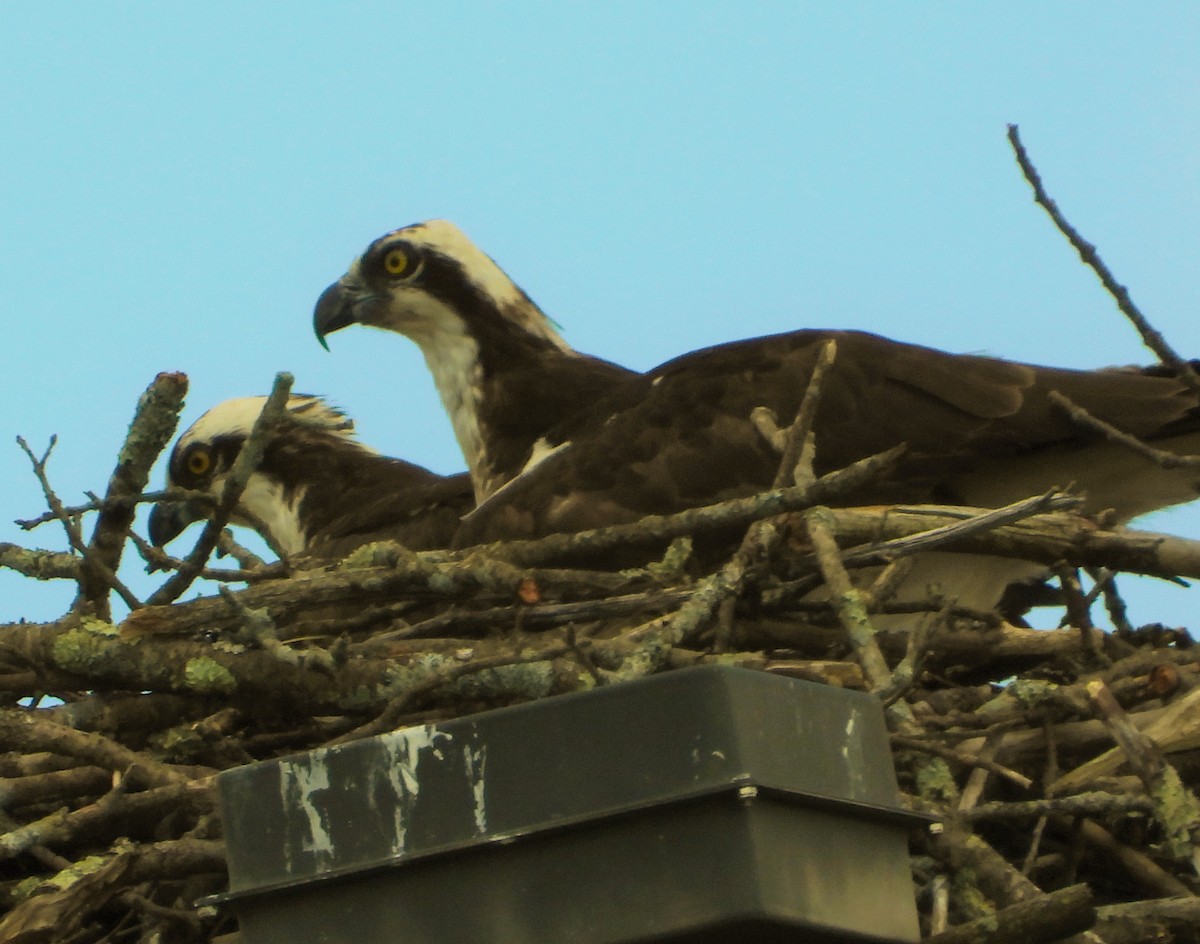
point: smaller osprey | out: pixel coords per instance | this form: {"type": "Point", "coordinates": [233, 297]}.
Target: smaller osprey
{"type": "Point", "coordinates": [318, 491]}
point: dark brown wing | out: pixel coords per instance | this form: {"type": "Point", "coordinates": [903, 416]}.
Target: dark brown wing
{"type": "Point", "coordinates": [421, 517]}
{"type": "Point", "coordinates": [351, 496]}
{"type": "Point", "coordinates": [520, 405]}
{"type": "Point", "coordinates": [680, 435]}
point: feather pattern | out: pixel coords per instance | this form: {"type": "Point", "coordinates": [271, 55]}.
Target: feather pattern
{"type": "Point", "coordinates": [979, 431]}
{"type": "Point", "coordinates": [611, 445]}
{"type": "Point", "coordinates": [318, 491]}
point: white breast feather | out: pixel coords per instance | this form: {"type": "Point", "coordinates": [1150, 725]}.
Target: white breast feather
{"type": "Point", "coordinates": [453, 359]}
{"type": "Point", "coordinates": [266, 506]}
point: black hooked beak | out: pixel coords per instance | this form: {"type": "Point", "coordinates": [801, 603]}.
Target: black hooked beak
{"type": "Point", "coordinates": [335, 310]}
{"type": "Point", "coordinates": [168, 519]}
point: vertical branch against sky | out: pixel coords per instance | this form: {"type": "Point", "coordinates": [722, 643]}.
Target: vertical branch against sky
{"type": "Point", "coordinates": [152, 427]}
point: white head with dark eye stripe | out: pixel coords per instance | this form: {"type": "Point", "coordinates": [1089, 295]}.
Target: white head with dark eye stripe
{"type": "Point", "coordinates": [205, 453]}
{"type": "Point", "coordinates": [433, 285]}
{"type": "Point", "coordinates": [415, 279]}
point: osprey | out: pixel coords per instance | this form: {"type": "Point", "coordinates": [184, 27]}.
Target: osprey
{"type": "Point", "coordinates": [505, 376]}
{"type": "Point", "coordinates": [318, 491]}
{"type": "Point", "coordinates": [586, 443]}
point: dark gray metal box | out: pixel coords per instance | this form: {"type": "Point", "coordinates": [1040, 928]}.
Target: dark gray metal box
{"type": "Point", "coordinates": [709, 804]}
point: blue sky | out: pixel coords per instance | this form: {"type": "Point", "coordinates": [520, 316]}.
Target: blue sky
{"type": "Point", "coordinates": [181, 181]}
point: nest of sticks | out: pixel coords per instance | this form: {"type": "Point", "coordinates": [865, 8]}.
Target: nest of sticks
{"type": "Point", "coordinates": [1060, 766]}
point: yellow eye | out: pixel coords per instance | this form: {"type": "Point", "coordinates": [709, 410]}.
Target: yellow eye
{"type": "Point", "coordinates": [198, 461]}
{"type": "Point", "coordinates": [401, 262]}
{"type": "Point", "coordinates": [396, 261]}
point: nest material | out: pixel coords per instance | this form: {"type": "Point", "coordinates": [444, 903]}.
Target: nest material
{"type": "Point", "coordinates": [1024, 742]}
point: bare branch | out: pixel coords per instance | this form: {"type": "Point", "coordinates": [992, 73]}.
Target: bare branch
{"type": "Point", "coordinates": [41, 565]}
{"type": "Point", "coordinates": [1160, 457]}
{"type": "Point", "coordinates": [243, 467]}
{"type": "Point", "coordinates": [1152, 338]}
{"type": "Point", "coordinates": [96, 503]}
{"type": "Point", "coordinates": [152, 427]}
{"type": "Point", "coordinates": [71, 524]}
{"type": "Point", "coordinates": [728, 514]}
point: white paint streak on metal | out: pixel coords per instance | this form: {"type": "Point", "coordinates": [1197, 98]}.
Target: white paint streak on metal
{"type": "Point", "coordinates": [476, 763]}
{"type": "Point", "coordinates": [852, 753]}
{"type": "Point", "coordinates": [300, 781]}
{"type": "Point", "coordinates": [403, 751]}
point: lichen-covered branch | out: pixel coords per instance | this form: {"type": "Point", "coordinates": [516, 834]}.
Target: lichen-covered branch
{"type": "Point", "coordinates": [39, 564]}
{"type": "Point", "coordinates": [151, 429]}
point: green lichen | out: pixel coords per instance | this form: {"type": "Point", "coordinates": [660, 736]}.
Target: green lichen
{"type": "Point", "coordinates": [524, 679]}
{"type": "Point", "coordinates": [59, 880]}
{"type": "Point", "coordinates": [442, 582]}
{"type": "Point", "coordinates": [651, 654]}
{"type": "Point", "coordinates": [967, 895]}
{"type": "Point", "coordinates": [207, 676]}
{"type": "Point", "coordinates": [180, 744]}
{"type": "Point", "coordinates": [1031, 692]}
{"type": "Point", "coordinates": [376, 554]}
{"type": "Point", "coordinates": [1179, 813]}
{"type": "Point", "coordinates": [82, 649]}
{"type": "Point", "coordinates": [672, 565]}
{"type": "Point", "coordinates": [99, 627]}
{"type": "Point", "coordinates": [935, 781]}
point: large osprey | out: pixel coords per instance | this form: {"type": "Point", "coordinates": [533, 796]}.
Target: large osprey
{"type": "Point", "coordinates": [318, 492]}
{"type": "Point", "coordinates": [505, 376]}
{"type": "Point", "coordinates": [614, 445]}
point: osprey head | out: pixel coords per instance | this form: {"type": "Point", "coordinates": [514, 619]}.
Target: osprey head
{"type": "Point", "coordinates": [428, 281]}
{"type": "Point", "coordinates": [433, 285]}
{"type": "Point", "coordinates": [205, 453]}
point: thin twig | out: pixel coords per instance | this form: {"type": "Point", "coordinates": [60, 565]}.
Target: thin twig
{"type": "Point", "coordinates": [158, 559]}
{"type": "Point", "coordinates": [1152, 338]}
{"type": "Point", "coordinates": [1081, 417]}
{"type": "Point", "coordinates": [95, 503]}
{"type": "Point", "coordinates": [963, 758]}
{"type": "Point", "coordinates": [71, 524]}
{"type": "Point", "coordinates": [1078, 613]}
{"type": "Point", "coordinates": [403, 702]}
{"type": "Point", "coordinates": [57, 510]}
{"type": "Point", "coordinates": [541, 616]}
{"type": "Point", "coordinates": [1118, 614]}
{"type": "Point", "coordinates": [791, 469]}
{"type": "Point", "coordinates": [1085, 804]}
{"type": "Point", "coordinates": [762, 539]}
{"type": "Point", "coordinates": [246, 559]}
{"type": "Point", "coordinates": [849, 601]}
{"type": "Point", "coordinates": [974, 523]}
{"type": "Point", "coordinates": [243, 467]}
{"type": "Point", "coordinates": [39, 564]}
{"type": "Point", "coordinates": [757, 545]}
{"type": "Point", "coordinates": [720, 515]}
{"type": "Point", "coordinates": [28, 732]}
